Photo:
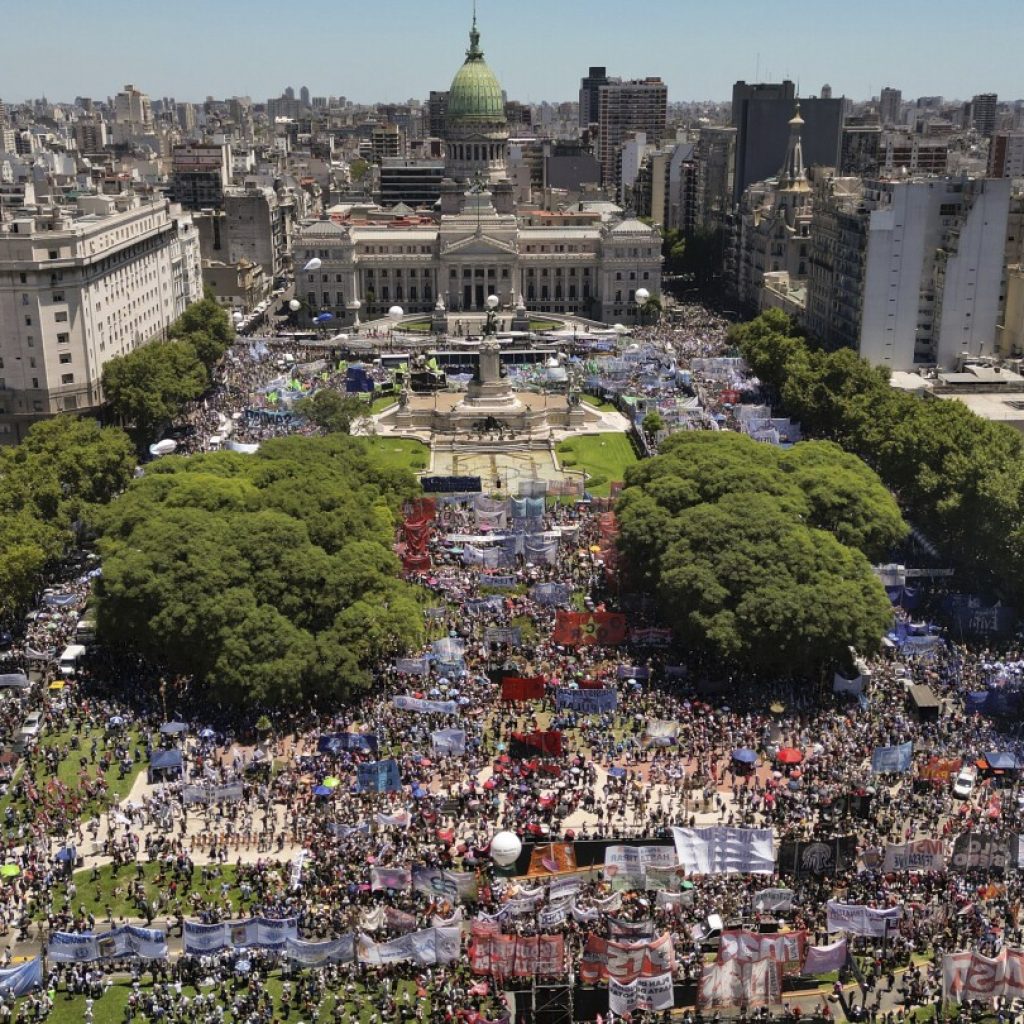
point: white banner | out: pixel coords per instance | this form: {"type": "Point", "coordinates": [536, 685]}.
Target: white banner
{"type": "Point", "coordinates": [774, 901]}
{"type": "Point", "coordinates": [126, 941]}
{"type": "Point", "coordinates": [968, 976]}
{"type": "Point", "coordinates": [722, 851]}
{"type": "Point", "coordinates": [858, 920]}
{"type": "Point", "coordinates": [737, 984]}
{"type": "Point", "coordinates": [823, 959]}
{"type": "Point", "coordinates": [424, 948]}
{"type": "Point", "coordinates": [642, 994]}
{"type": "Point", "coordinates": [439, 707]}
{"type": "Point", "coordinates": [922, 855]}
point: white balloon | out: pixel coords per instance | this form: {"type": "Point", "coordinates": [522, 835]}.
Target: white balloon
{"type": "Point", "coordinates": [396, 312]}
{"type": "Point", "coordinates": [295, 305]}
{"type": "Point", "coordinates": [314, 264]}
{"type": "Point", "coordinates": [505, 848]}
{"type": "Point", "coordinates": [237, 316]}
{"type": "Point", "coordinates": [642, 295]}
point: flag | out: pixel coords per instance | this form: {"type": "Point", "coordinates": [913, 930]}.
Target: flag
{"type": "Point", "coordinates": [577, 629]}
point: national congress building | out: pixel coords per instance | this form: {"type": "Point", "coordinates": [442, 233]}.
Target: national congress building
{"type": "Point", "coordinates": [577, 261]}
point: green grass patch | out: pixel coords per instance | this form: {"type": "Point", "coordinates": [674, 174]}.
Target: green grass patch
{"type": "Point", "coordinates": [544, 325]}
{"type": "Point", "coordinates": [416, 326]}
{"type": "Point", "coordinates": [120, 893]}
{"type": "Point", "coordinates": [401, 453]}
{"type": "Point", "coordinates": [111, 1007]}
{"type": "Point", "coordinates": [598, 403]}
{"type": "Point", "coordinates": [603, 457]}
{"type": "Point", "coordinates": [382, 403]}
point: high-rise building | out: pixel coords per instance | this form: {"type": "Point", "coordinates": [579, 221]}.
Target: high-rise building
{"type": "Point", "coordinates": [590, 95]}
{"type": "Point", "coordinates": [132, 107]}
{"type": "Point", "coordinates": [386, 140]}
{"type": "Point", "coordinates": [250, 226]}
{"type": "Point", "coordinates": [437, 112]}
{"type": "Point", "coordinates": [186, 114]}
{"type": "Point", "coordinates": [890, 105]}
{"type": "Point", "coordinates": [716, 168]}
{"type": "Point", "coordinates": [909, 272]}
{"type": "Point", "coordinates": [1006, 155]}
{"type": "Point", "coordinates": [79, 285]}
{"type": "Point", "coordinates": [640, 105]}
{"type": "Point", "coordinates": [983, 113]}
{"type": "Point", "coordinates": [304, 96]}
{"type": "Point", "coordinates": [91, 134]}
{"type": "Point", "coordinates": [761, 114]}
{"type": "Point", "coordinates": [199, 174]}
{"type": "Point", "coordinates": [826, 91]}
{"type": "Point", "coordinates": [417, 183]}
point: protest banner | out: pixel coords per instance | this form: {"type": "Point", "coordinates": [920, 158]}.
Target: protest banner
{"type": "Point", "coordinates": [920, 855]}
{"type": "Point", "coordinates": [642, 994]}
{"type": "Point", "coordinates": [716, 850]}
{"type": "Point", "coordinates": [859, 920]}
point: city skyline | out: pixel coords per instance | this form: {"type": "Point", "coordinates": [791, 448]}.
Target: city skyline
{"type": "Point", "coordinates": [914, 48]}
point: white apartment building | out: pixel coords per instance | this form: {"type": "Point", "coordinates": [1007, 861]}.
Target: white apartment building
{"type": "Point", "coordinates": [933, 270]}
{"type": "Point", "coordinates": [79, 285]}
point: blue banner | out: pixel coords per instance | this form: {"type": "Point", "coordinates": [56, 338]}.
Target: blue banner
{"type": "Point", "coordinates": [378, 777]}
{"type": "Point", "coordinates": [449, 741]}
{"type": "Point", "coordinates": [20, 980]}
{"type": "Point", "coordinates": [589, 702]}
{"type": "Point", "coordinates": [892, 760]}
{"type": "Point", "coordinates": [336, 742]}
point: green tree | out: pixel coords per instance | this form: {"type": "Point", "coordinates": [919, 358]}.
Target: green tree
{"type": "Point", "coordinates": [150, 386]}
{"type": "Point", "coordinates": [267, 579]}
{"type": "Point", "coordinates": [653, 423]}
{"type": "Point", "coordinates": [331, 411]}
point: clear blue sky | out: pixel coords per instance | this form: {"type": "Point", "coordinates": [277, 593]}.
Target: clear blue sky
{"type": "Point", "coordinates": [391, 50]}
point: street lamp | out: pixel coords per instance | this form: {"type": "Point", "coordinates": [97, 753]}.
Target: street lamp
{"type": "Point", "coordinates": [355, 305]}
{"type": "Point", "coordinates": [642, 296]}
{"type": "Point", "coordinates": [491, 324]}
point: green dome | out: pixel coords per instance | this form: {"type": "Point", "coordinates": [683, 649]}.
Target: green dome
{"type": "Point", "coordinates": [475, 94]}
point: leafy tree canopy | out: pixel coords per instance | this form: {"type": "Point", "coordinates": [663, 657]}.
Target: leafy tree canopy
{"type": "Point", "coordinates": [958, 477]}
{"type": "Point", "coordinates": [267, 578]}
{"type": "Point", "coordinates": [721, 527]}
{"type": "Point", "coordinates": [331, 411]}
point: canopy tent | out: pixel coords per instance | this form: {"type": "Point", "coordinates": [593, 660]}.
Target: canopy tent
{"type": "Point", "coordinates": [1001, 761]}
{"type": "Point", "coordinates": [173, 728]}
{"type": "Point", "coordinates": [164, 765]}
{"type": "Point", "coordinates": [14, 681]}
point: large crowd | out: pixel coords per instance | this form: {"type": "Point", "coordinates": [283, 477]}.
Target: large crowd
{"type": "Point", "coordinates": [269, 822]}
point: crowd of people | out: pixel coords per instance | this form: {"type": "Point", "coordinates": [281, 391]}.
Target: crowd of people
{"type": "Point", "coordinates": [270, 820]}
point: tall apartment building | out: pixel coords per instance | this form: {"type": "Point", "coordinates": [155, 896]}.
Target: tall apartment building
{"type": "Point", "coordinates": [590, 95]}
{"type": "Point", "coordinates": [889, 106]}
{"type": "Point", "coordinates": [1006, 155]}
{"type": "Point", "coordinates": [909, 153]}
{"type": "Point", "coordinates": [251, 225]}
{"type": "Point", "coordinates": [80, 285]}
{"type": "Point", "coordinates": [761, 115]}
{"type": "Point", "coordinates": [199, 174]}
{"type": "Point", "coordinates": [983, 113]}
{"type": "Point", "coordinates": [437, 112]}
{"type": "Point", "coordinates": [386, 140]}
{"type": "Point", "coordinates": [716, 169]}
{"type": "Point", "coordinates": [909, 272]}
{"type": "Point", "coordinates": [640, 105]}
{"type": "Point", "coordinates": [417, 183]}
{"type": "Point", "coordinates": [132, 107]}
{"type": "Point", "coordinates": [91, 134]}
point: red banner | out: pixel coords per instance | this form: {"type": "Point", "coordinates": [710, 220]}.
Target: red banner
{"type": "Point", "coordinates": [626, 961]}
{"type": "Point", "coordinates": [577, 629]}
{"type": "Point", "coordinates": [522, 688]}
{"type": "Point", "coordinates": [513, 956]}
{"type": "Point", "coordinates": [547, 743]}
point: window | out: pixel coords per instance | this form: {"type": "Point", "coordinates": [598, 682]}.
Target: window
{"type": "Point", "coordinates": [37, 406]}
{"type": "Point", "coordinates": [52, 254]}
{"type": "Point", "coordinates": [67, 378]}
{"type": "Point", "coordinates": [31, 362]}
{"type": "Point", "coordinates": [65, 357]}
{"type": "Point", "coordinates": [58, 296]}
{"type": "Point", "coordinates": [23, 278]}
{"type": "Point", "coordinates": [61, 318]}
{"type": "Point", "coordinates": [63, 339]}
{"type": "Point", "coordinates": [3, 383]}
{"type": "Point", "coordinates": [311, 299]}
{"type": "Point", "coordinates": [28, 321]}
{"type": "Point", "coordinates": [35, 382]}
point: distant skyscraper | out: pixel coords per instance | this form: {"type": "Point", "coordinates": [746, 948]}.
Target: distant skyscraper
{"type": "Point", "coordinates": [590, 95]}
{"type": "Point", "coordinates": [437, 112]}
{"type": "Point", "coordinates": [640, 105]}
{"type": "Point", "coordinates": [826, 91]}
{"type": "Point", "coordinates": [983, 113]}
{"type": "Point", "coordinates": [889, 106]}
{"type": "Point", "coordinates": [289, 93]}
{"type": "Point", "coordinates": [132, 107]}
{"type": "Point", "coordinates": [304, 96]}
{"type": "Point", "coordinates": [761, 114]}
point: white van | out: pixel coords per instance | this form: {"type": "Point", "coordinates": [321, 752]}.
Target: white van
{"type": "Point", "coordinates": [69, 659]}
{"type": "Point", "coordinates": [85, 631]}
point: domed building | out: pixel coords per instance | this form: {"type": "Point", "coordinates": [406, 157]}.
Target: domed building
{"type": "Point", "coordinates": [476, 129]}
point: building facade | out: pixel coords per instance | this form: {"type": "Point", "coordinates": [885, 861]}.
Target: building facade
{"type": "Point", "coordinates": [625, 108]}
{"type": "Point", "coordinates": [80, 285]}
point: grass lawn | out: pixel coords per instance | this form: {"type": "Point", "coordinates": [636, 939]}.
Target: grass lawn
{"type": "Point", "coordinates": [417, 326]}
{"type": "Point", "coordinates": [382, 403]}
{"type": "Point", "coordinates": [69, 768]}
{"type": "Point", "coordinates": [604, 458]}
{"type": "Point", "coordinates": [110, 1009]}
{"type": "Point", "coordinates": [112, 890]}
{"type": "Point", "coordinates": [544, 325]}
{"type": "Point", "coordinates": [401, 453]}
{"type": "Point", "coordinates": [598, 403]}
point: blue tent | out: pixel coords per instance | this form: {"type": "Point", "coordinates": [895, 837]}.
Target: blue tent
{"type": "Point", "coordinates": [167, 762]}
{"type": "Point", "coordinates": [1001, 761]}
{"type": "Point", "coordinates": [173, 728]}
